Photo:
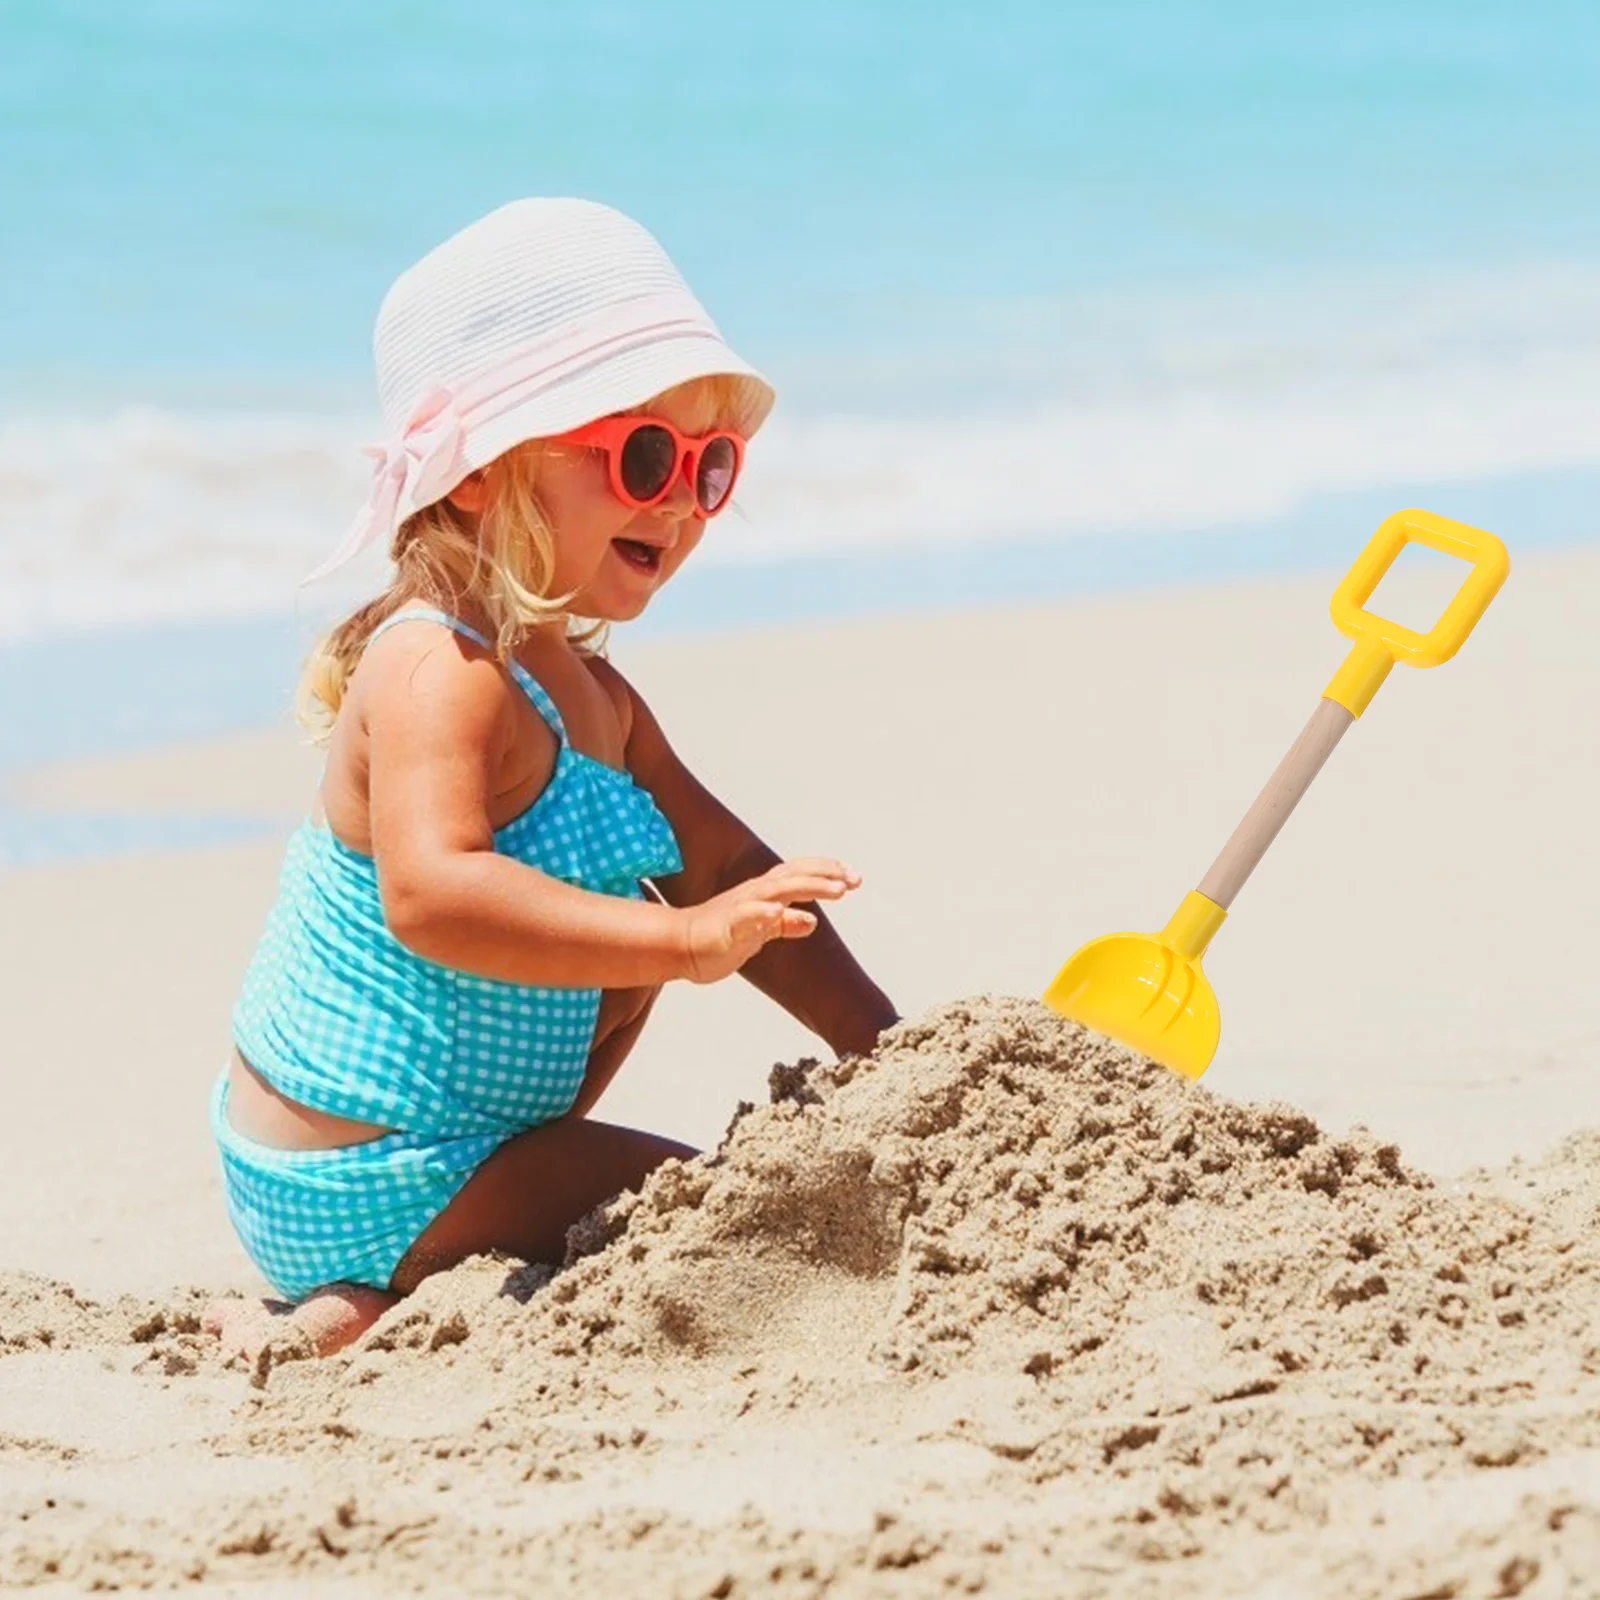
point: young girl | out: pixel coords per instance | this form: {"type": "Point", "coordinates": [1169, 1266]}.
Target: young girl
{"type": "Point", "coordinates": [508, 860]}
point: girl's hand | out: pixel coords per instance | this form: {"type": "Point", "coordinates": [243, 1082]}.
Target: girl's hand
{"type": "Point", "coordinates": [722, 933]}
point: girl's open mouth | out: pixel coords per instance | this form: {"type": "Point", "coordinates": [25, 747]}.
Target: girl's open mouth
{"type": "Point", "coordinates": [640, 556]}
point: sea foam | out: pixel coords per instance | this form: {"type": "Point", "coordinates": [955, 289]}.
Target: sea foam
{"type": "Point", "coordinates": [1091, 416]}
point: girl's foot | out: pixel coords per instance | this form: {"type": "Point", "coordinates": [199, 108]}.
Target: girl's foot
{"type": "Point", "coordinates": [266, 1333]}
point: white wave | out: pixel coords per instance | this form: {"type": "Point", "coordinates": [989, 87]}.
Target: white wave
{"type": "Point", "coordinates": [1133, 413]}
{"type": "Point", "coordinates": [144, 515]}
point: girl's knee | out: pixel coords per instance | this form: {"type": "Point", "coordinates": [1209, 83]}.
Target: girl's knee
{"type": "Point", "coordinates": [616, 1031]}
{"type": "Point", "coordinates": [622, 1008]}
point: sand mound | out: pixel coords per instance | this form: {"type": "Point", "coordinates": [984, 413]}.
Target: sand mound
{"type": "Point", "coordinates": [997, 1191]}
{"type": "Point", "coordinates": [1002, 1306]}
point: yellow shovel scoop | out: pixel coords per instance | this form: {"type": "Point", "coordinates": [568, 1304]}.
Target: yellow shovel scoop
{"type": "Point", "coordinates": [1147, 989]}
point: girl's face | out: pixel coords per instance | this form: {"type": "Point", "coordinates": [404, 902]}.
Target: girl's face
{"type": "Point", "coordinates": [610, 557]}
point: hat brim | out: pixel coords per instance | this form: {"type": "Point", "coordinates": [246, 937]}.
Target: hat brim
{"type": "Point", "coordinates": [616, 383]}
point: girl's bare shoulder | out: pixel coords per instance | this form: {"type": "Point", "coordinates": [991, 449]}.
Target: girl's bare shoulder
{"type": "Point", "coordinates": [423, 669]}
{"type": "Point", "coordinates": [618, 690]}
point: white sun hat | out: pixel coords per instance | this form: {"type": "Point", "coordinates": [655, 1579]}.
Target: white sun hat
{"type": "Point", "coordinates": [537, 318]}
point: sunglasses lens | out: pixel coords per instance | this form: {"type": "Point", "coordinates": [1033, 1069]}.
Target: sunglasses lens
{"type": "Point", "coordinates": [718, 464]}
{"type": "Point", "coordinates": [649, 458]}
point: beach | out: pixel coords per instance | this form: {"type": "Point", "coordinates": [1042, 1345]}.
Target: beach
{"type": "Point", "coordinates": [759, 1378]}
{"type": "Point", "coordinates": [1102, 339]}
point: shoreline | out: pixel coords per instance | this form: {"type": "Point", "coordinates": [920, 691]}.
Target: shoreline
{"type": "Point", "coordinates": [101, 693]}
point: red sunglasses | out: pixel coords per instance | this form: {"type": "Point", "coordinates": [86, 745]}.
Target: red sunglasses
{"type": "Point", "coordinates": [645, 454]}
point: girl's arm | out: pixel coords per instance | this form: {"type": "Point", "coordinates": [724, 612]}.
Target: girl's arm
{"type": "Point", "coordinates": [438, 719]}
{"type": "Point", "coordinates": [815, 979]}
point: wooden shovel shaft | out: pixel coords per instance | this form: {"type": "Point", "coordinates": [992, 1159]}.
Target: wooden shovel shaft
{"type": "Point", "coordinates": [1273, 805]}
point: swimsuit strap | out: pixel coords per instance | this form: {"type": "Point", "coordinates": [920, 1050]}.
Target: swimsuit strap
{"type": "Point", "coordinates": [535, 691]}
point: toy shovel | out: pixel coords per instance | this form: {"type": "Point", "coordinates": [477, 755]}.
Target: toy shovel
{"type": "Point", "coordinates": [1147, 989]}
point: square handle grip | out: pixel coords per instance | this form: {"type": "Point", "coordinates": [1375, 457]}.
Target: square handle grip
{"type": "Point", "coordinates": [1490, 564]}
{"type": "Point", "coordinates": [1380, 643]}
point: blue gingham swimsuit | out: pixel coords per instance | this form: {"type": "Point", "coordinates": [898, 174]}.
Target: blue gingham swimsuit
{"type": "Point", "coordinates": [338, 1015]}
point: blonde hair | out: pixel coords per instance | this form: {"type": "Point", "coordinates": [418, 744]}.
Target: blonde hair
{"type": "Point", "coordinates": [501, 561]}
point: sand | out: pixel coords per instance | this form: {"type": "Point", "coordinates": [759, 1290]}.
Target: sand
{"type": "Point", "coordinates": [1002, 1309]}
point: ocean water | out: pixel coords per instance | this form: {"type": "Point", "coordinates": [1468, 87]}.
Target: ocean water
{"type": "Point", "coordinates": [1056, 296]}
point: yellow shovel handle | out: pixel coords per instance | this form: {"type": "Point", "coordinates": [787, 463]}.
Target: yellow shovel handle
{"type": "Point", "coordinates": [1380, 643]}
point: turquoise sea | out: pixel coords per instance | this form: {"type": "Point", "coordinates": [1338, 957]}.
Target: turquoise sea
{"type": "Point", "coordinates": [1057, 297]}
